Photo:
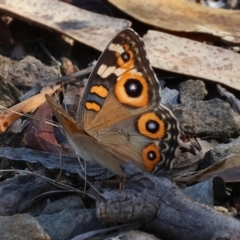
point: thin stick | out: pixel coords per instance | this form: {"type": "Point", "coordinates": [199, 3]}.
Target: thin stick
{"type": "Point", "coordinates": [60, 173]}
{"type": "Point", "coordinates": [83, 177]}
{"type": "Point", "coordinates": [68, 77]}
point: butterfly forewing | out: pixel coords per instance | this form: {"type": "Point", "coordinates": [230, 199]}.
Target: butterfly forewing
{"type": "Point", "coordinates": [122, 84]}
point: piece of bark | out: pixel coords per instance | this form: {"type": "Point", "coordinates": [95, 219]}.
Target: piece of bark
{"type": "Point", "coordinates": [55, 161]}
{"type": "Point", "coordinates": [17, 192]}
{"type": "Point", "coordinates": [164, 209]}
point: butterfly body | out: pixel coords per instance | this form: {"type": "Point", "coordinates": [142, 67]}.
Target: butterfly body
{"type": "Point", "coordinates": [120, 117]}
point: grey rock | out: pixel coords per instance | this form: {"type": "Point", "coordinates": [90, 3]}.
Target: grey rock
{"type": "Point", "coordinates": [192, 90]}
{"type": "Point", "coordinates": [27, 72]}
{"type": "Point", "coordinates": [213, 118]}
{"type": "Point", "coordinates": [205, 192]}
{"type": "Point", "coordinates": [221, 151]}
{"type": "Point", "coordinates": [169, 96]}
{"type": "Point", "coordinates": [21, 227]}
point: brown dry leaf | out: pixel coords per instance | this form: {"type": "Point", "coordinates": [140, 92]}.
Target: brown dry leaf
{"type": "Point", "coordinates": [184, 16]}
{"type": "Point", "coordinates": [10, 115]}
{"type": "Point", "coordinates": [192, 58]}
{"type": "Point", "coordinates": [228, 169]}
{"type": "Point", "coordinates": [92, 29]}
{"type": "Point", "coordinates": [39, 135]}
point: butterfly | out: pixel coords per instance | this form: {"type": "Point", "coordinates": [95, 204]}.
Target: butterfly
{"type": "Point", "coordinates": [119, 117]}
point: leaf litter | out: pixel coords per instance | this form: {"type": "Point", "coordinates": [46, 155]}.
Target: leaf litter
{"type": "Point", "coordinates": [167, 51]}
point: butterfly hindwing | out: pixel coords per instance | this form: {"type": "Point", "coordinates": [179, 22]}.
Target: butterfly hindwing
{"type": "Point", "coordinates": [150, 139]}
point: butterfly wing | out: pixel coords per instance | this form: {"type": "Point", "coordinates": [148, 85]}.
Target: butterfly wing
{"type": "Point", "coordinates": [150, 139]}
{"type": "Point", "coordinates": [84, 145]}
{"type": "Point", "coordinates": [119, 117]}
{"type": "Point", "coordinates": [121, 85]}
{"type": "Point", "coordinates": [120, 107]}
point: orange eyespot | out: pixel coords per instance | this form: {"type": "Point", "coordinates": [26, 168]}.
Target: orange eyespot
{"type": "Point", "coordinates": [132, 89]}
{"type": "Point", "coordinates": [151, 126]}
{"type": "Point", "coordinates": [126, 59]}
{"type": "Point", "coordinates": [151, 156]}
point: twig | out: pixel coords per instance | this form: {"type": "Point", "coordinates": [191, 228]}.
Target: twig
{"type": "Point", "coordinates": [68, 77]}
{"type": "Point", "coordinates": [165, 209]}
{"type": "Point", "coordinates": [230, 97]}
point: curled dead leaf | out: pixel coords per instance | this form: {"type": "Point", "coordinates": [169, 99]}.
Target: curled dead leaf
{"type": "Point", "coordinates": [10, 115]}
